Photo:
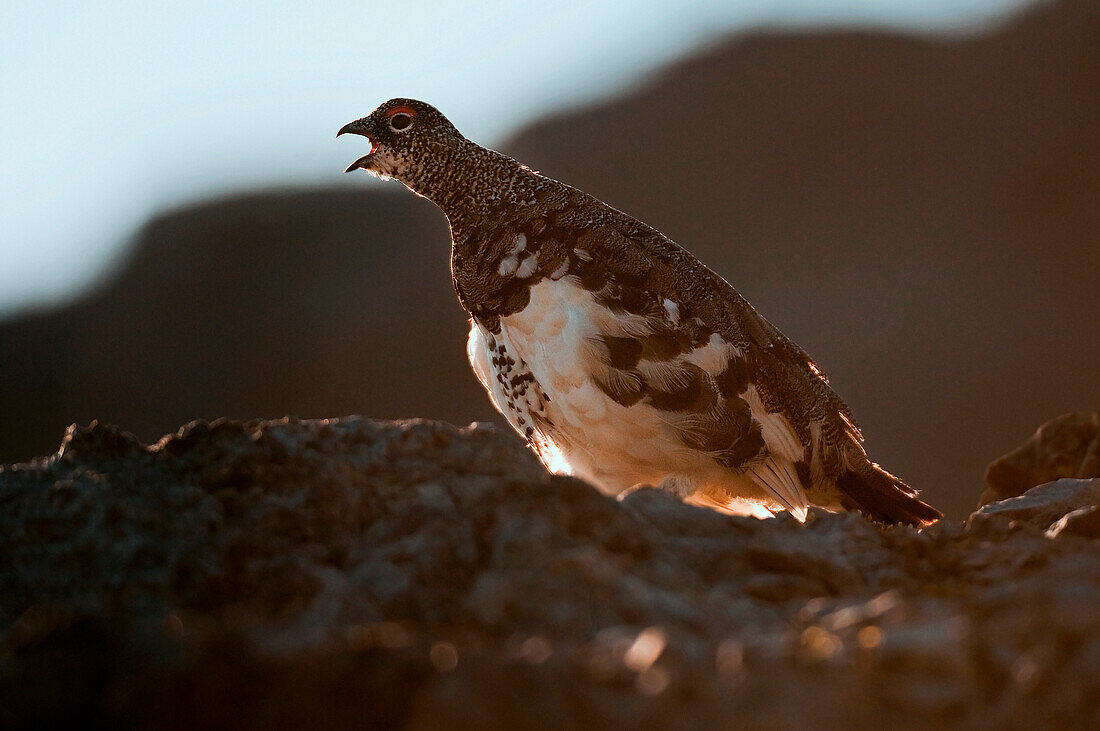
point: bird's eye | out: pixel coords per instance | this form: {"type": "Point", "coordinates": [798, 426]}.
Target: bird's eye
{"type": "Point", "coordinates": [400, 121]}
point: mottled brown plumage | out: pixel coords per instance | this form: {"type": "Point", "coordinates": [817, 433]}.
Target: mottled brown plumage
{"type": "Point", "coordinates": [615, 352]}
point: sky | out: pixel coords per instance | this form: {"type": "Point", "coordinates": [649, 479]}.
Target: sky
{"type": "Point", "coordinates": [113, 111]}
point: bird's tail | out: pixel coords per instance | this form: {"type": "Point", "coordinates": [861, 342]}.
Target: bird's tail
{"type": "Point", "coordinates": [883, 497]}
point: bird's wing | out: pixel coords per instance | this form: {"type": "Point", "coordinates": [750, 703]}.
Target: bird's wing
{"type": "Point", "coordinates": [705, 385]}
{"type": "Point", "coordinates": [733, 385]}
{"type": "Point", "coordinates": [812, 442]}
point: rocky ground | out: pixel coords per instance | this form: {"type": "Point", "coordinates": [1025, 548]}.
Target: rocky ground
{"type": "Point", "coordinates": [359, 573]}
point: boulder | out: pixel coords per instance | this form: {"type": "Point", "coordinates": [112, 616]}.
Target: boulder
{"type": "Point", "coordinates": [1084, 521]}
{"type": "Point", "coordinates": [1041, 506]}
{"type": "Point", "coordinates": [1068, 446]}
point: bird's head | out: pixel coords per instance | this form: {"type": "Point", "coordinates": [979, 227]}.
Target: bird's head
{"type": "Point", "coordinates": [407, 138]}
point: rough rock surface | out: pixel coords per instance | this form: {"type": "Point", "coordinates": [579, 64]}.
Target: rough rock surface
{"type": "Point", "coordinates": [359, 573]}
{"type": "Point", "coordinates": [1068, 446]}
{"type": "Point", "coordinates": [1043, 506]}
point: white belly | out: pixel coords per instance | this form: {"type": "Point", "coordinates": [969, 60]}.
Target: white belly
{"type": "Point", "coordinates": [589, 434]}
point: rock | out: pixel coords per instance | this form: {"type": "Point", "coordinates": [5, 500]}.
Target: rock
{"type": "Point", "coordinates": [1068, 446]}
{"type": "Point", "coordinates": [99, 440]}
{"type": "Point", "coordinates": [780, 588]}
{"type": "Point", "coordinates": [1080, 522]}
{"type": "Point", "coordinates": [1040, 506]}
{"type": "Point", "coordinates": [416, 574]}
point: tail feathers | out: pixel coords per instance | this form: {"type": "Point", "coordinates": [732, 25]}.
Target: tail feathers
{"type": "Point", "coordinates": [886, 498]}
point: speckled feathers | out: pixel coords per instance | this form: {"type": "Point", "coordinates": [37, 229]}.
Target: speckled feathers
{"type": "Point", "coordinates": [617, 354]}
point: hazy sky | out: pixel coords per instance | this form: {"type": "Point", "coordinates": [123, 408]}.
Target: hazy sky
{"type": "Point", "coordinates": [114, 110]}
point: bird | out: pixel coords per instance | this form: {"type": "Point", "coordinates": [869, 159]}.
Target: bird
{"type": "Point", "coordinates": [619, 356]}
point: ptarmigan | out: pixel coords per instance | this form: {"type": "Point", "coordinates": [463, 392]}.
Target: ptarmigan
{"type": "Point", "coordinates": [618, 355]}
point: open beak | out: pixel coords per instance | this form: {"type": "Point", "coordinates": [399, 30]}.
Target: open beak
{"type": "Point", "coordinates": [359, 127]}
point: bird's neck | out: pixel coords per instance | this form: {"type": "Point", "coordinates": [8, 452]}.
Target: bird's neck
{"type": "Point", "coordinates": [470, 182]}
